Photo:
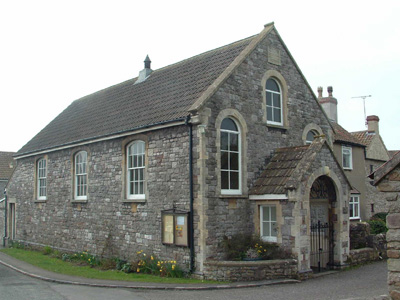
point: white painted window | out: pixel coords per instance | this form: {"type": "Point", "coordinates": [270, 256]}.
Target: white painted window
{"type": "Point", "coordinates": [136, 170]}
{"type": "Point", "coordinates": [354, 207]}
{"type": "Point", "coordinates": [230, 157]}
{"type": "Point", "coordinates": [274, 102]}
{"type": "Point", "coordinates": [347, 158]}
{"type": "Point", "coordinates": [81, 176]}
{"type": "Point", "coordinates": [268, 226]}
{"type": "Point", "coordinates": [42, 179]}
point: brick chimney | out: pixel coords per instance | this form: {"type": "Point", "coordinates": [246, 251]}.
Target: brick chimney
{"type": "Point", "coordinates": [373, 124]}
{"type": "Point", "coordinates": [329, 104]}
{"type": "Point", "coordinates": [146, 71]}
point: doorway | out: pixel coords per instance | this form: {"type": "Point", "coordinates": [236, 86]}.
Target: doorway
{"type": "Point", "coordinates": [322, 197]}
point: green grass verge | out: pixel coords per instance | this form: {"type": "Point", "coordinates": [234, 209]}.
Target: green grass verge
{"type": "Point", "coordinates": [56, 265]}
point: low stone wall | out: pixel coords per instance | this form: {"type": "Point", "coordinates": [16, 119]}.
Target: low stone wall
{"type": "Point", "coordinates": [250, 270]}
{"type": "Point", "coordinates": [361, 256]}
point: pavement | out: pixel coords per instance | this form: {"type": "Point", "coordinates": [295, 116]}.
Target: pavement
{"type": "Point", "coordinates": [38, 273]}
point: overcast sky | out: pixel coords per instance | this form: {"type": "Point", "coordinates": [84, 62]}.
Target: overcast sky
{"type": "Point", "coordinates": [53, 52]}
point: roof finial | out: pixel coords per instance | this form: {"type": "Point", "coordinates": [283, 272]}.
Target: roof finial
{"type": "Point", "coordinates": [146, 71]}
{"type": "Point", "coordinates": [147, 62]}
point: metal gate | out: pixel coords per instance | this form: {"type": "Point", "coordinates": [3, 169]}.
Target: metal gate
{"type": "Point", "coordinates": [321, 255]}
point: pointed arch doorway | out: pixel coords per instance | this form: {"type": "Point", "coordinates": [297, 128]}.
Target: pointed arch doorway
{"type": "Point", "coordinates": [322, 205]}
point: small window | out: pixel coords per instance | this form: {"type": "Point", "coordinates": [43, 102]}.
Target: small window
{"type": "Point", "coordinates": [81, 176]}
{"type": "Point", "coordinates": [274, 102]}
{"type": "Point", "coordinates": [42, 179]}
{"type": "Point", "coordinates": [347, 159]}
{"type": "Point", "coordinates": [136, 170]}
{"type": "Point", "coordinates": [268, 226]}
{"type": "Point", "coordinates": [354, 207]}
{"type": "Point", "coordinates": [230, 158]}
{"type": "Point", "coordinates": [175, 228]}
{"type": "Point", "coordinates": [310, 136]}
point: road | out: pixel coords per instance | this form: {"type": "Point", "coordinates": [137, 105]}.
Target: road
{"type": "Point", "coordinates": [366, 282]}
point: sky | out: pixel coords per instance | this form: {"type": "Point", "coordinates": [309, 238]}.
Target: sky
{"type": "Point", "coordinates": [54, 52]}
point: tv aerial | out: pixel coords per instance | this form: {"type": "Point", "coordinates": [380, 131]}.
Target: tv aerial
{"type": "Point", "coordinates": [365, 114]}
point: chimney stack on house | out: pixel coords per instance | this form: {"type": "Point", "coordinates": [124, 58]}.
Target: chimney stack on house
{"type": "Point", "coordinates": [373, 124]}
{"type": "Point", "coordinates": [329, 104]}
{"type": "Point", "coordinates": [146, 71]}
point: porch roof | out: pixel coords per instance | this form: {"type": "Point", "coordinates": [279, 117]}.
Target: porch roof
{"type": "Point", "coordinates": [278, 172]}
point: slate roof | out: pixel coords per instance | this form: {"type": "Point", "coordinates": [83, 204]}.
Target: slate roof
{"type": "Point", "coordinates": [343, 136]}
{"type": "Point", "coordinates": [6, 159]}
{"type": "Point", "coordinates": [166, 95]}
{"type": "Point", "coordinates": [279, 171]}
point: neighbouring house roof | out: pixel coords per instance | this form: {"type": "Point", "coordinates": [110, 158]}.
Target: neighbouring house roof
{"type": "Point", "coordinates": [392, 152]}
{"type": "Point", "coordinates": [7, 165]}
{"type": "Point", "coordinates": [386, 168]}
{"type": "Point", "coordinates": [365, 137]}
{"type": "Point", "coordinates": [343, 136]}
{"type": "Point", "coordinates": [168, 94]}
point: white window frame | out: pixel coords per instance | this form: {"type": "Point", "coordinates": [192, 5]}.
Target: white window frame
{"type": "Point", "coordinates": [80, 176]}
{"type": "Point", "coordinates": [354, 206]}
{"type": "Point", "coordinates": [347, 151]}
{"type": "Point", "coordinates": [268, 237]}
{"type": "Point", "coordinates": [42, 179]}
{"type": "Point", "coordinates": [136, 174]}
{"type": "Point", "coordinates": [274, 107]}
{"type": "Point", "coordinates": [229, 191]}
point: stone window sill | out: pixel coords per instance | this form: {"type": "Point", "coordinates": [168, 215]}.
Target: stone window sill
{"type": "Point", "coordinates": [40, 200]}
{"type": "Point", "coordinates": [233, 196]}
{"type": "Point", "coordinates": [79, 200]}
{"type": "Point", "coordinates": [134, 200]}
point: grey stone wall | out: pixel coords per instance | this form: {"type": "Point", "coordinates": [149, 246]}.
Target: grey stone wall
{"type": "Point", "coordinates": [373, 196]}
{"type": "Point", "coordinates": [106, 224]}
{"type": "Point", "coordinates": [242, 92]}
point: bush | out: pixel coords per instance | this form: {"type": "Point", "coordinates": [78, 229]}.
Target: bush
{"type": "Point", "coordinates": [235, 248]}
{"type": "Point", "coordinates": [241, 246]}
{"type": "Point", "coordinates": [47, 250]}
{"type": "Point", "coordinates": [377, 226]}
{"type": "Point", "coordinates": [380, 216]}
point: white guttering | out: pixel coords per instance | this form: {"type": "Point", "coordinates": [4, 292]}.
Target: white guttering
{"type": "Point", "coordinates": [172, 124]}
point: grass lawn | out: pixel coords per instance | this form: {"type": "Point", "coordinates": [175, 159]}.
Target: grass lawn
{"type": "Point", "coordinates": [57, 265]}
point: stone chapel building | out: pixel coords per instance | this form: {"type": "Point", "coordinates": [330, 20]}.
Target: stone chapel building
{"type": "Point", "coordinates": [229, 141]}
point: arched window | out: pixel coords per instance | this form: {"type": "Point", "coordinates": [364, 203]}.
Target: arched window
{"type": "Point", "coordinates": [135, 170]}
{"type": "Point", "coordinates": [81, 176]}
{"type": "Point", "coordinates": [230, 157]}
{"type": "Point", "coordinates": [274, 102]}
{"type": "Point", "coordinates": [42, 179]}
{"type": "Point", "coordinates": [310, 136]}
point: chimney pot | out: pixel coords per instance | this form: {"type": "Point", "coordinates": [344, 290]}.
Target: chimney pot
{"type": "Point", "coordinates": [373, 124]}
{"type": "Point", "coordinates": [320, 92]}
{"type": "Point", "coordinates": [330, 90]}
